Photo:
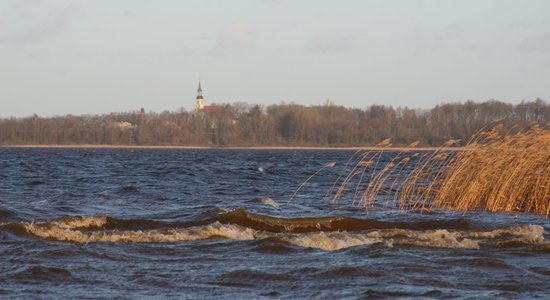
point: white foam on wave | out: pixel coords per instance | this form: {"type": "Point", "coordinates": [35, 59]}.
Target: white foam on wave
{"type": "Point", "coordinates": [270, 202]}
{"type": "Point", "coordinates": [532, 233]}
{"type": "Point", "coordinates": [266, 201]}
{"type": "Point", "coordinates": [440, 238]}
{"type": "Point", "coordinates": [322, 240]}
{"type": "Point", "coordinates": [330, 241]}
{"type": "Point", "coordinates": [82, 230]}
{"type": "Point", "coordinates": [82, 221]}
{"type": "Point", "coordinates": [234, 232]}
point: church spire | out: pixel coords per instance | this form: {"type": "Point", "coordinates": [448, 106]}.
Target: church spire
{"type": "Point", "coordinates": [199, 105]}
{"type": "Point", "coordinates": [199, 91]}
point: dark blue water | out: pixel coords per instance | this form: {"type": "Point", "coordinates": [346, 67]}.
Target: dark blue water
{"type": "Point", "coordinates": [89, 223]}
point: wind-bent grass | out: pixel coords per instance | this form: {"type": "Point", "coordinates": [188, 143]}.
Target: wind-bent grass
{"type": "Point", "coordinates": [509, 172]}
{"type": "Point", "coordinates": [495, 171]}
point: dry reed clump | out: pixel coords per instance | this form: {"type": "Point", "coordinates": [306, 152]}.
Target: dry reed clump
{"type": "Point", "coordinates": [495, 171]}
{"type": "Point", "coordinates": [508, 173]}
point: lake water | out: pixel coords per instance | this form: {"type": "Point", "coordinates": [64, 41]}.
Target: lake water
{"type": "Point", "coordinates": [172, 223]}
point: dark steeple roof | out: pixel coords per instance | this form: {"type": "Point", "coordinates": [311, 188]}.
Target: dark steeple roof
{"type": "Point", "coordinates": [199, 92]}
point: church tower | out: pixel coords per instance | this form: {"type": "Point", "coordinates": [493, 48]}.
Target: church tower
{"type": "Point", "coordinates": [199, 105]}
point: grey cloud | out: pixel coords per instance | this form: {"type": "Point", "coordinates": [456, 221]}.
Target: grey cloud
{"type": "Point", "coordinates": [48, 27]}
{"type": "Point", "coordinates": [237, 35]}
{"type": "Point", "coordinates": [536, 43]}
{"type": "Point", "coordinates": [420, 50]}
{"type": "Point", "coordinates": [517, 25]}
{"type": "Point", "coordinates": [38, 54]}
{"type": "Point", "coordinates": [26, 3]}
{"type": "Point", "coordinates": [453, 27]}
{"type": "Point", "coordinates": [451, 31]}
{"type": "Point", "coordinates": [129, 13]}
{"type": "Point", "coordinates": [276, 2]}
{"type": "Point", "coordinates": [481, 50]}
{"type": "Point", "coordinates": [327, 44]}
{"type": "Point", "coordinates": [184, 50]}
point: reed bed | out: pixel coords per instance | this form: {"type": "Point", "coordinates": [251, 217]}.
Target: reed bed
{"type": "Point", "coordinates": [507, 172]}
{"type": "Point", "coordinates": [496, 171]}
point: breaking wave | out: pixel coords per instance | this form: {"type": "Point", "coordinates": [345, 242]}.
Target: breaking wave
{"type": "Point", "coordinates": [326, 233]}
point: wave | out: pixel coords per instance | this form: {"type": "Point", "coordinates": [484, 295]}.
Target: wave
{"type": "Point", "coordinates": [245, 218]}
{"type": "Point", "coordinates": [5, 213]}
{"type": "Point", "coordinates": [44, 274]}
{"type": "Point", "coordinates": [326, 233]}
{"type": "Point", "coordinates": [128, 189]}
{"type": "Point", "coordinates": [215, 230]}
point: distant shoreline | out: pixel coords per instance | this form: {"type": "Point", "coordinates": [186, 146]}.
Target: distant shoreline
{"type": "Point", "coordinates": [84, 146]}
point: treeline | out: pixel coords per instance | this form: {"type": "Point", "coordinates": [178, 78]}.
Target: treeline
{"type": "Point", "coordinates": [242, 124]}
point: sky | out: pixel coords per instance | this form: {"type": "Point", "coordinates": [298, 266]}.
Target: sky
{"type": "Point", "coordinates": [79, 57]}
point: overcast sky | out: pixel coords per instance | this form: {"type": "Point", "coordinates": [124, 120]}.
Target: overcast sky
{"type": "Point", "coordinates": [87, 57]}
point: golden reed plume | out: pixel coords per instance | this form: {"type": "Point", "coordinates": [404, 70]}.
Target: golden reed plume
{"type": "Point", "coordinates": [495, 171]}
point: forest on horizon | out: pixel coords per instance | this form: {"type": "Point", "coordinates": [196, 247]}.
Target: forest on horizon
{"type": "Point", "coordinates": [242, 124]}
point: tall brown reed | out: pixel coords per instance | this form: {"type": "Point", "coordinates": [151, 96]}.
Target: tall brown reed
{"type": "Point", "coordinates": [495, 171]}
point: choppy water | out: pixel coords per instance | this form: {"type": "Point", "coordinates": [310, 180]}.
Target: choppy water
{"type": "Point", "coordinates": [87, 223]}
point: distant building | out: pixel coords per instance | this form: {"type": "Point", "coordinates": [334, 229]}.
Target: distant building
{"type": "Point", "coordinates": [199, 105]}
{"type": "Point", "coordinates": [123, 125]}
{"type": "Point", "coordinates": [209, 109]}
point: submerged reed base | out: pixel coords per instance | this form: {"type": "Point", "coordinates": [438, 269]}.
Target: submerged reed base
{"type": "Point", "coordinates": [495, 171]}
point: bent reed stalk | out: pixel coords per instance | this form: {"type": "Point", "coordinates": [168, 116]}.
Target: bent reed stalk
{"type": "Point", "coordinates": [496, 171]}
